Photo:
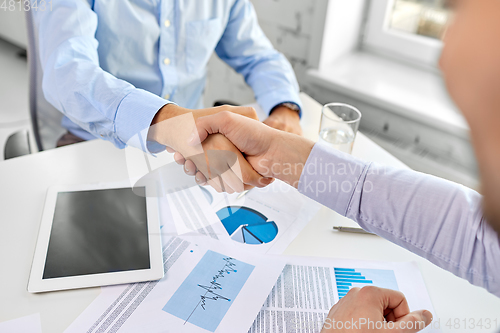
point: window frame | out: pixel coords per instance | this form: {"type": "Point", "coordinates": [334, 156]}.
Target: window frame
{"type": "Point", "coordinates": [380, 38]}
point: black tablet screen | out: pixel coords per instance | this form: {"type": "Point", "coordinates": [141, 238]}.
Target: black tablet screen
{"type": "Point", "coordinates": [97, 231]}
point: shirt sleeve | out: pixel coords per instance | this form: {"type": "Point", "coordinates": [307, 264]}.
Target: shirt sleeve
{"type": "Point", "coordinates": [437, 219]}
{"type": "Point", "coordinates": [75, 84]}
{"type": "Point", "coordinates": [245, 47]}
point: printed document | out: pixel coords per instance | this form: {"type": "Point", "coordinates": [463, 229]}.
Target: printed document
{"type": "Point", "coordinates": [308, 288]}
{"type": "Point", "coordinates": [208, 287]}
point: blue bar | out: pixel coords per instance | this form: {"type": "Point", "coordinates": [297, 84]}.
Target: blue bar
{"type": "Point", "coordinates": [350, 277]}
{"type": "Point", "coordinates": [354, 281]}
{"type": "Point", "coordinates": [342, 287]}
{"type": "Point", "coordinates": [343, 284]}
{"type": "Point", "coordinates": [344, 269]}
{"type": "Point", "coordinates": [342, 290]}
{"type": "Point", "coordinates": [351, 280]}
{"type": "Point", "coordinates": [342, 294]}
{"type": "Point", "coordinates": [347, 273]}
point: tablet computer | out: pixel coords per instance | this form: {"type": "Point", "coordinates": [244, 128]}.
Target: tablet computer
{"type": "Point", "coordinates": [96, 235]}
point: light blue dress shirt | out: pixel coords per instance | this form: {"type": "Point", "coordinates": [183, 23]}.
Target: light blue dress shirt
{"type": "Point", "coordinates": [110, 65]}
{"type": "Point", "coordinates": [432, 217]}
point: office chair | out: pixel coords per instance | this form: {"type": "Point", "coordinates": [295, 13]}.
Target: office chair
{"type": "Point", "coordinates": [18, 144]}
{"type": "Point", "coordinates": [45, 119]}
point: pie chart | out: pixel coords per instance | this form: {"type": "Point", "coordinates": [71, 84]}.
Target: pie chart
{"type": "Point", "coordinates": [248, 226]}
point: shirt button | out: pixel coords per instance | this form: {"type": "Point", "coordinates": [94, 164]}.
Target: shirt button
{"type": "Point", "coordinates": [167, 96]}
{"type": "Point", "coordinates": [167, 23]}
{"type": "Point", "coordinates": [166, 61]}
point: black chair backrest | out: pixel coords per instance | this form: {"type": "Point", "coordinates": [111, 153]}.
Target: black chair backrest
{"type": "Point", "coordinates": [18, 144]}
{"type": "Point", "coordinates": [45, 119]}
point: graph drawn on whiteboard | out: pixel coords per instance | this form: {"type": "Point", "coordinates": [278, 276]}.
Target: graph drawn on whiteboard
{"type": "Point", "coordinates": [246, 225]}
{"type": "Point", "coordinates": [347, 278]}
{"type": "Point", "coordinates": [208, 292]}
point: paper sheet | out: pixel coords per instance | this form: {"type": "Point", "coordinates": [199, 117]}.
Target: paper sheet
{"type": "Point", "coordinates": [309, 287]}
{"type": "Point", "coordinates": [188, 212]}
{"type": "Point", "coordinates": [30, 324]}
{"type": "Point", "coordinates": [273, 216]}
{"type": "Point", "coordinates": [208, 287]}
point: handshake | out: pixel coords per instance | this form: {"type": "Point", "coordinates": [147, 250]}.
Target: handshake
{"type": "Point", "coordinates": [228, 148]}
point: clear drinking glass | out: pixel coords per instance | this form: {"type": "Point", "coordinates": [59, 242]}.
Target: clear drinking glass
{"type": "Point", "coordinates": [339, 125]}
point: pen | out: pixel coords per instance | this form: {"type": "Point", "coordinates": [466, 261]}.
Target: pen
{"type": "Point", "coordinates": [242, 194]}
{"type": "Point", "coordinates": [353, 230]}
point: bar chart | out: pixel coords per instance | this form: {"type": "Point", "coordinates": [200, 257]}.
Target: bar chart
{"type": "Point", "coordinates": [347, 278]}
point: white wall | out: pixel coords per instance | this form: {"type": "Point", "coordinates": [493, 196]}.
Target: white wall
{"type": "Point", "coordinates": [13, 26]}
{"type": "Point", "coordinates": [293, 26]}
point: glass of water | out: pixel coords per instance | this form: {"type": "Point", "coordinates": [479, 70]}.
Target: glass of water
{"type": "Point", "coordinates": [339, 125]}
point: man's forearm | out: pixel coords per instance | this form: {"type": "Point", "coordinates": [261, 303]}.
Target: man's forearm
{"type": "Point", "coordinates": [166, 112]}
{"type": "Point", "coordinates": [289, 156]}
{"type": "Point", "coordinates": [424, 214]}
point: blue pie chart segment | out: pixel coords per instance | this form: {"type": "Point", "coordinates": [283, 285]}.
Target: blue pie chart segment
{"type": "Point", "coordinates": [238, 236]}
{"type": "Point", "coordinates": [248, 238]}
{"type": "Point", "coordinates": [264, 233]}
{"type": "Point", "coordinates": [246, 225]}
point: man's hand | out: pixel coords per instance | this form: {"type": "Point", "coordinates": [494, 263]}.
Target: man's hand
{"type": "Point", "coordinates": [272, 153]}
{"type": "Point", "coordinates": [373, 309]}
{"type": "Point", "coordinates": [228, 170]}
{"type": "Point", "coordinates": [221, 176]}
{"type": "Point", "coordinates": [284, 119]}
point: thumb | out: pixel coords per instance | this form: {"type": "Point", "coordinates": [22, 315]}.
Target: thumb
{"type": "Point", "coordinates": [198, 135]}
{"type": "Point", "coordinates": [207, 125]}
{"type": "Point", "coordinates": [414, 321]}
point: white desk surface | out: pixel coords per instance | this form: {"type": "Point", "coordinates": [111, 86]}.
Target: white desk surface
{"type": "Point", "coordinates": [25, 180]}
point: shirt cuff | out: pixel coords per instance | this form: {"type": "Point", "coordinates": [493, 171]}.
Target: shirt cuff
{"type": "Point", "coordinates": [330, 177]}
{"type": "Point", "coordinates": [134, 116]}
{"type": "Point", "coordinates": [274, 98]}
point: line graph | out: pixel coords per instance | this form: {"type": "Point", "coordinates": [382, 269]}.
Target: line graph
{"type": "Point", "coordinates": [206, 295]}
{"type": "Point", "coordinates": [214, 285]}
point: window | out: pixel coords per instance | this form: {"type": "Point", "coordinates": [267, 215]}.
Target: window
{"type": "Point", "coordinates": [407, 29]}
{"type": "Point", "coordinates": [419, 17]}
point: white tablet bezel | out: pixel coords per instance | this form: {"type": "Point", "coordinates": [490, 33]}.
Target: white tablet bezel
{"type": "Point", "coordinates": [37, 284]}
